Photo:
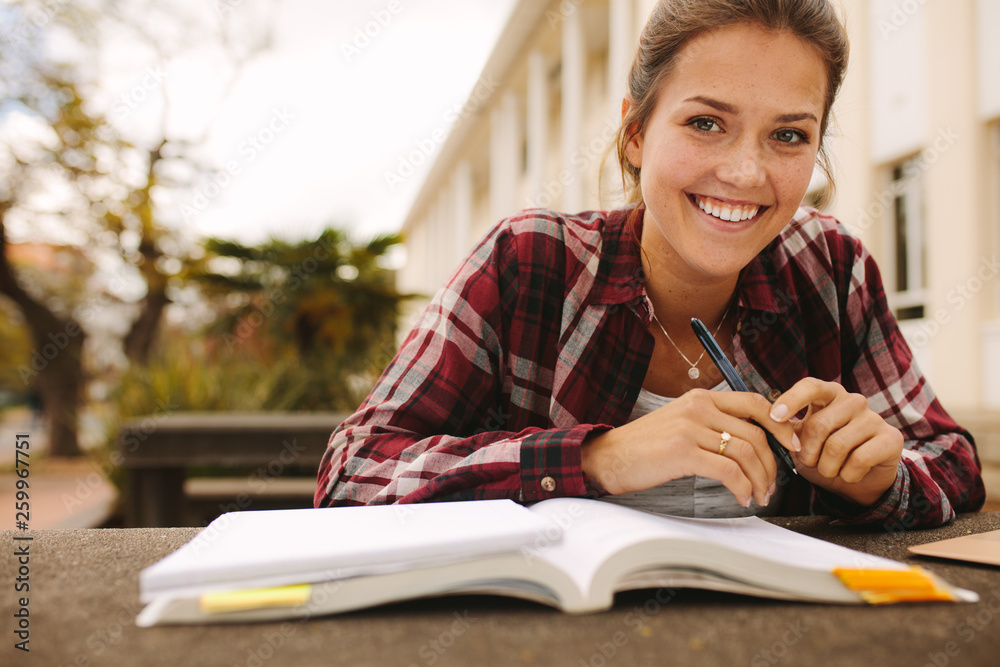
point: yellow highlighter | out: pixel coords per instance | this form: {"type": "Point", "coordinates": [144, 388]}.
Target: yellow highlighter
{"type": "Point", "coordinates": [257, 598]}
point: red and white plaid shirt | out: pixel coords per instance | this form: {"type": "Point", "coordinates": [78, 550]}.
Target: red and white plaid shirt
{"type": "Point", "coordinates": [540, 338]}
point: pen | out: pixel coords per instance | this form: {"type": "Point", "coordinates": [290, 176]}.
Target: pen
{"type": "Point", "coordinates": [735, 381]}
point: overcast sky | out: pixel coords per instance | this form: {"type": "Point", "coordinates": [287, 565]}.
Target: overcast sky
{"type": "Point", "coordinates": [349, 89]}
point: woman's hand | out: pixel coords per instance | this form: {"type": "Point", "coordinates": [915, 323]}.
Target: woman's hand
{"type": "Point", "coordinates": [683, 439]}
{"type": "Point", "coordinates": [846, 447]}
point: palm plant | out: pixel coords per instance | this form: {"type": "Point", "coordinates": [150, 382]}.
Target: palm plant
{"type": "Point", "coordinates": [329, 303]}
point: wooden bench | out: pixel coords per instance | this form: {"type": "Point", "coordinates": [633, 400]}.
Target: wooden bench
{"type": "Point", "coordinates": [281, 451]}
{"type": "Point", "coordinates": [158, 451]}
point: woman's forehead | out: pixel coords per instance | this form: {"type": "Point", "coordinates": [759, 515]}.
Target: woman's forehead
{"type": "Point", "coordinates": [745, 64]}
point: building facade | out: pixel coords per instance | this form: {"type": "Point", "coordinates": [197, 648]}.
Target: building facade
{"type": "Point", "coordinates": [915, 143]}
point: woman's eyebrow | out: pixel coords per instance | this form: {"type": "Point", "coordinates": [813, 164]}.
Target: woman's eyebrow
{"type": "Point", "coordinates": [719, 105]}
{"type": "Point", "coordinates": [726, 107]}
{"type": "Point", "coordinates": [792, 117]}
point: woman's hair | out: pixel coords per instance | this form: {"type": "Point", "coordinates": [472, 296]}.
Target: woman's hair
{"type": "Point", "coordinates": [674, 23]}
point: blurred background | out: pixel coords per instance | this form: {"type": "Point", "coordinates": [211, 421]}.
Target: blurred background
{"type": "Point", "coordinates": [239, 206]}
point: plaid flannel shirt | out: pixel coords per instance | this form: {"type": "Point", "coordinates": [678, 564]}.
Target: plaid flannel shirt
{"type": "Point", "coordinates": [540, 338]}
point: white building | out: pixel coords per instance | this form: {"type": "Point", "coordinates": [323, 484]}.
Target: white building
{"type": "Point", "coordinates": [916, 155]}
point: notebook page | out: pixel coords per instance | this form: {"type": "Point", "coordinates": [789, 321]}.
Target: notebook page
{"type": "Point", "coordinates": [592, 531]}
{"type": "Point", "coordinates": [270, 547]}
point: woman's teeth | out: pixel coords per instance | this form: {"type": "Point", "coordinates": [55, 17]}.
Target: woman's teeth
{"type": "Point", "coordinates": [726, 212]}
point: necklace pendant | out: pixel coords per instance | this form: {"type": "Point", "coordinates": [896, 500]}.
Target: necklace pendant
{"type": "Point", "coordinates": [694, 373]}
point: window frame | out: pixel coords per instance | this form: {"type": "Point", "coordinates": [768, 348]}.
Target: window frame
{"type": "Point", "coordinates": [906, 189]}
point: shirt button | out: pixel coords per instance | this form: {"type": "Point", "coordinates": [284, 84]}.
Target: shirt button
{"type": "Point", "coordinates": [548, 484]}
{"type": "Point", "coordinates": [774, 395]}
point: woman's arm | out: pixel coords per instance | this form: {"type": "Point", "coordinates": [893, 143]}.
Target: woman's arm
{"type": "Point", "coordinates": [441, 422]}
{"type": "Point", "coordinates": [896, 458]}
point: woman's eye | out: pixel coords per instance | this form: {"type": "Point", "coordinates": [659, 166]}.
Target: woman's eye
{"type": "Point", "coordinates": [706, 125]}
{"type": "Point", "coordinates": [791, 137]}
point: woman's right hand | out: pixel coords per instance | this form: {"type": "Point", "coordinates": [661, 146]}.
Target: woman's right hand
{"type": "Point", "coordinates": [683, 439]}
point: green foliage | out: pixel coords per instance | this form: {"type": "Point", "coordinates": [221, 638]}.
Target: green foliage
{"type": "Point", "coordinates": [190, 375]}
{"type": "Point", "coordinates": [328, 303]}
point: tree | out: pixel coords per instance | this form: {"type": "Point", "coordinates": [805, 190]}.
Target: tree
{"type": "Point", "coordinates": [330, 303]}
{"type": "Point", "coordinates": [71, 174]}
{"type": "Point", "coordinates": [67, 153]}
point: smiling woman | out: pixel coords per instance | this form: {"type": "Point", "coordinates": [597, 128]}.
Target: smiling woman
{"type": "Point", "coordinates": [573, 328]}
{"type": "Point", "coordinates": [729, 136]}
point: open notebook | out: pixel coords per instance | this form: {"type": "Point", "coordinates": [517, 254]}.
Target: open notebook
{"type": "Point", "coordinates": [569, 553]}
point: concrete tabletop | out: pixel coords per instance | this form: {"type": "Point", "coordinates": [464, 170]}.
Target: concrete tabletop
{"type": "Point", "coordinates": [83, 601]}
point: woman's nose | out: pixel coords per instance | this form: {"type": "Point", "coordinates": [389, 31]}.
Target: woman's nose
{"type": "Point", "coordinates": [743, 168]}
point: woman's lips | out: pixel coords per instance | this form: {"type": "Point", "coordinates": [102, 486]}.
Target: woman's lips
{"type": "Point", "coordinates": [701, 203]}
{"type": "Point", "coordinates": [726, 211]}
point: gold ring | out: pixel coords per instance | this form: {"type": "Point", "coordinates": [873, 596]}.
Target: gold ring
{"type": "Point", "coordinates": [725, 441]}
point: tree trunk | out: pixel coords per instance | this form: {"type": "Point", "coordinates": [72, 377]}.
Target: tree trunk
{"type": "Point", "coordinates": [56, 363]}
{"type": "Point", "coordinates": [60, 386]}
{"type": "Point", "coordinates": [141, 337]}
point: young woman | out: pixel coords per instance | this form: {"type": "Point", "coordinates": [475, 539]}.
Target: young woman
{"type": "Point", "coordinates": [558, 360]}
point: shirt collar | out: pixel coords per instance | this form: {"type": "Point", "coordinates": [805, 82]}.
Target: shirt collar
{"type": "Point", "coordinates": [761, 286]}
{"type": "Point", "coordinates": [621, 279]}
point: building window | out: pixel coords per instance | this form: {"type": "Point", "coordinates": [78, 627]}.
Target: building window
{"type": "Point", "coordinates": [906, 242]}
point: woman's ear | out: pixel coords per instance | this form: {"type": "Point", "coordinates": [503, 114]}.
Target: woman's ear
{"type": "Point", "coordinates": [633, 149]}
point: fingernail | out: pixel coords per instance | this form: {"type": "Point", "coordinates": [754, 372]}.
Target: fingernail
{"type": "Point", "coordinates": [746, 503]}
{"type": "Point", "coordinates": [796, 445]}
{"type": "Point", "coordinates": [774, 487]}
{"type": "Point", "coordinates": [767, 499]}
{"type": "Point", "coordinates": [779, 412]}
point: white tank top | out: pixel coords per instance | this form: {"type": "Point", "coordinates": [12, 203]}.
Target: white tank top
{"type": "Point", "coordinates": [698, 497]}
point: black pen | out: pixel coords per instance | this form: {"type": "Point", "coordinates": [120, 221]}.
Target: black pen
{"type": "Point", "coordinates": [735, 382]}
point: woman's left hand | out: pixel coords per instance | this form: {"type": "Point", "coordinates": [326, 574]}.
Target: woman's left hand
{"type": "Point", "coordinates": [846, 447]}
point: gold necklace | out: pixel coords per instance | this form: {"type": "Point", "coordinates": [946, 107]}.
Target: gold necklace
{"type": "Point", "coordinates": [693, 372]}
